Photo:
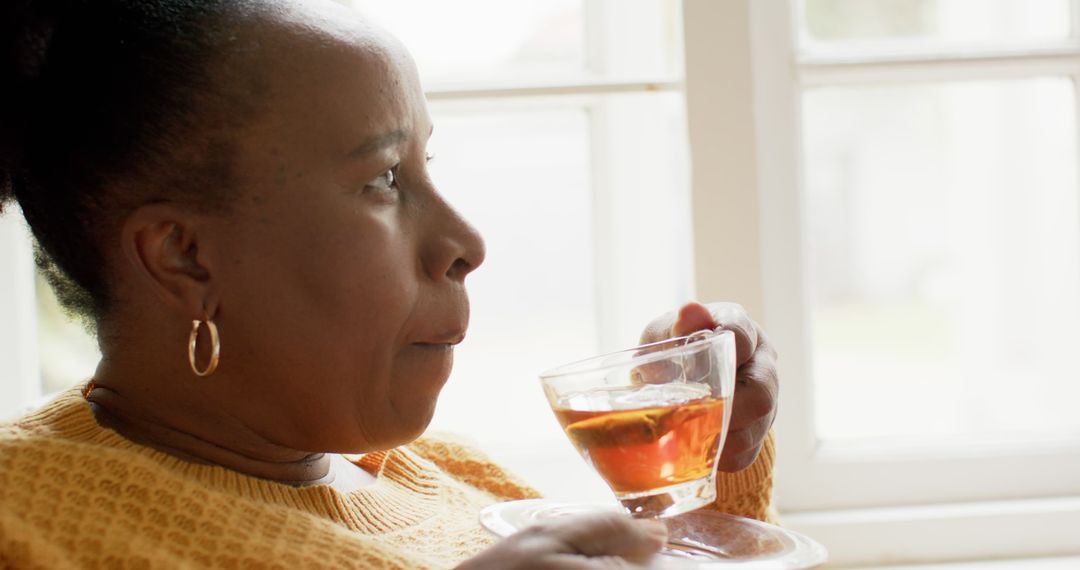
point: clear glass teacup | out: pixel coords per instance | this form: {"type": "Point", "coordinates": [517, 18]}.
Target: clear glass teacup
{"type": "Point", "coordinates": [652, 419]}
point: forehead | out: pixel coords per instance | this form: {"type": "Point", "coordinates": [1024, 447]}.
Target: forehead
{"type": "Point", "coordinates": [333, 78]}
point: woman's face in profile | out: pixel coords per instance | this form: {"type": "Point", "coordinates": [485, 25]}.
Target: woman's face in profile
{"type": "Point", "coordinates": [343, 292]}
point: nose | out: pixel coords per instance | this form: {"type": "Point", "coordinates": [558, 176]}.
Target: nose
{"type": "Point", "coordinates": [454, 248]}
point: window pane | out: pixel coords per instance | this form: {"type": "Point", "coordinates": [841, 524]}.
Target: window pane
{"type": "Point", "coordinates": [945, 259]}
{"type": "Point", "coordinates": [480, 37]}
{"type": "Point", "coordinates": [945, 21]}
{"type": "Point", "coordinates": [522, 178]}
{"type": "Point", "coordinates": [530, 176]}
{"type": "Point", "coordinates": [496, 41]}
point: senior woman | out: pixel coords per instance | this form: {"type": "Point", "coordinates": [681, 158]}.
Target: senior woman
{"type": "Point", "coordinates": [235, 194]}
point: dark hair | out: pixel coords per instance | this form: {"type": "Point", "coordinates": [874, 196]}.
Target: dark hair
{"type": "Point", "coordinates": [106, 105]}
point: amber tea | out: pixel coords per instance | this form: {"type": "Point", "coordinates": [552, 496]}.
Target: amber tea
{"type": "Point", "coordinates": [641, 448]}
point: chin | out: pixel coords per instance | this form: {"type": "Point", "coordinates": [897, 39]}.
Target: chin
{"type": "Point", "coordinates": [403, 426]}
{"type": "Point", "coordinates": [416, 424]}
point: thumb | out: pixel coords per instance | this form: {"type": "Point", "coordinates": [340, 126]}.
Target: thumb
{"type": "Point", "coordinates": [612, 534]}
{"type": "Point", "coordinates": [692, 317]}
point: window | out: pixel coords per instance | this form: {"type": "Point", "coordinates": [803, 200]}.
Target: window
{"type": "Point", "coordinates": [910, 233]}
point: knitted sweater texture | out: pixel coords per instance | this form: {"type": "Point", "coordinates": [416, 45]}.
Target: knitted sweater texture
{"type": "Point", "coordinates": [76, 495]}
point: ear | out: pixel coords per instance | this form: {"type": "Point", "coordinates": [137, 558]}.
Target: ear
{"type": "Point", "coordinates": [163, 243]}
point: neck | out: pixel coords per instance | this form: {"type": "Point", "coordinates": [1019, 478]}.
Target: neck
{"type": "Point", "coordinates": [185, 425]}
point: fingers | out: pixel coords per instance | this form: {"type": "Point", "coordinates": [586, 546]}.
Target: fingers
{"type": "Point", "coordinates": [660, 328]}
{"type": "Point", "coordinates": [732, 317]}
{"type": "Point", "coordinates": [753, 409]}
{"type": "Point", "coordinates": [695, 316]}
{"type": "Point", "coordinates": [577, 562]}
{"type": "Point", "coordinates": [756, 390]}
{"type": "Point", "coordinates": [590, 542]}
{"type": "Point", "coordinates": [742, 447]}
{"type": "Point", "coordinates": [610, 534]}
{"type": "Point", "coordinates": [692, 317]}
{"type": "Point", "coordinates": [757, 386]}
{"type": "Point", "coordinates": [658, 372]}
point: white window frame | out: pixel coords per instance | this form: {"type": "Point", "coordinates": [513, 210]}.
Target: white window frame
{"type": "Point", "coordinates": [744, 79]}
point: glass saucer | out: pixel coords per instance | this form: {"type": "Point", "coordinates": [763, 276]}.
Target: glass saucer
{"type": "Point", "coordinates": [701, 539]}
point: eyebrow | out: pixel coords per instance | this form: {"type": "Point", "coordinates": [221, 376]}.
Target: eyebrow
{"type": "Point", "coordinates": [377, 143]}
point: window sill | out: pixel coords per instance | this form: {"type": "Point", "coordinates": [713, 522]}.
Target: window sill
{"type": "Point", "coordinates": [959, 532]}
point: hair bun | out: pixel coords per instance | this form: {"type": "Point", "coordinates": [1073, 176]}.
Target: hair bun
{"type": "Point", "coordinates": [25, 33]}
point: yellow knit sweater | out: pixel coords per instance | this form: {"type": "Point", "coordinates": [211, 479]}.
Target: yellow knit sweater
{"type": "Point", "coordinates": [74, 494]}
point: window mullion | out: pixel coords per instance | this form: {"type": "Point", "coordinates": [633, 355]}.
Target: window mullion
{"type": "Point", "coordinates": [822, 71]}
{"type": "Point", "coordinates": [553, 88]}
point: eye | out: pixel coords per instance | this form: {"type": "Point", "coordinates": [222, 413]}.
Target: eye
{"type": "Point", "coordinates": [385, 182]}
{"type": "Point", "coordinates": [428, 157]}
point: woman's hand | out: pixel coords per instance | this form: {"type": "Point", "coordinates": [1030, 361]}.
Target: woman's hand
{"type": "Point", "coordinates": [756, 385]}
{"type": "Point", "coordinates": [587, 542]}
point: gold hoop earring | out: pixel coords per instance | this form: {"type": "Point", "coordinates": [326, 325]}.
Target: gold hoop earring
{"type": "Point", "coordinates": [215, 347]}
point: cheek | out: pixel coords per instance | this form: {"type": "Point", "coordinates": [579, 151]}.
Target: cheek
{"type": "Point", "coordinates": [348, 275]}
{"type": "Point", "coordinates": [322, 295]}
{"type": "Point", "coordinates": [316, 309]}
{"type": "Point", "coordinates": [351, 295]}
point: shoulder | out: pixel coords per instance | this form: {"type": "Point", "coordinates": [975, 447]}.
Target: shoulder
{"type": "Point", "coordinates": [70, 501]}
{"type": "Point", "coordinates": [21, 545]}
{"type": "Point", "coordinates": [28, 447]}
{"type": "Point", "coordinates": [48, 444]}
{"type": "Point", "coordinates": [461, 458]}
{"type": "Point", "coordinates": [35, 470]}
{"type": "Point", "coordinates": [43, 470]}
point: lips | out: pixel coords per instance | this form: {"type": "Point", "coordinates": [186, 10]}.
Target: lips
{"type": "Point", "coordinates": [440, 321]}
